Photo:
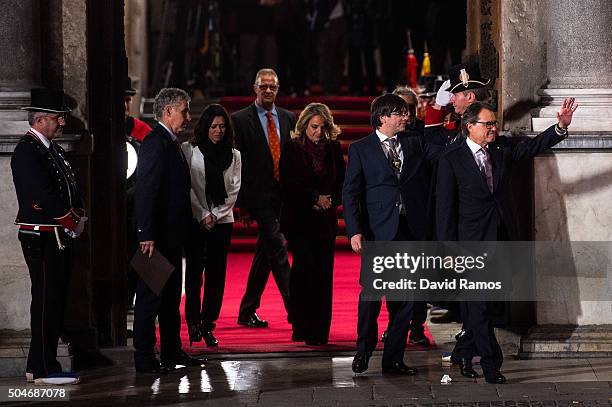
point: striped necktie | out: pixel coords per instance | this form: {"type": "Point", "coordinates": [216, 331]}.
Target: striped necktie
{"type": "Point", "coordinates": [484, 164]}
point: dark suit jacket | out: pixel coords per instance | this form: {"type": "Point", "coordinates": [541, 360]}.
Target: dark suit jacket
{"type": "Point", "coordinates": [45, 184]}
{"type": "Point", "coordinates": [465, 208]}
{"type": "Point", "coordinates": [162, 204]}
{"type": "Point", "coordinates": [258, 182]}
{"type": "Point", "coordinates": [417, 126]}
{"type": "Point", "coordinates": [301, 187]}
{"type": "Point", "coordinates": [371, 192]}
{"type": "Point", "coordinates": [442, 136]}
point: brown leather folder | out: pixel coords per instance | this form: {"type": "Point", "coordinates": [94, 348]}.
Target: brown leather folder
{"type": "Point", "coordinates": [154, 271]}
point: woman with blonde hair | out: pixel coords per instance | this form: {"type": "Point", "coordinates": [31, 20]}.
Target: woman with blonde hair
{"type": "Point", "coordinates": [311, 175]}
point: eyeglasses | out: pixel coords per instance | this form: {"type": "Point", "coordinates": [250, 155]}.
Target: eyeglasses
{"type": "Point", "coordinates": [263, 88]}
{"type": "Point", "coordinates": [404, 114]}
{"type": "Point", "coordinates": [489, 125]}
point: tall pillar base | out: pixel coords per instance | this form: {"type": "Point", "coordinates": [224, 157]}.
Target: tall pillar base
{"type": "Point", "coordinates": [14, 348]}
{"type": "Point", "coordinates": [567, 341]}
{"type": "Point", "coordinates": [594, 113]}
{"type": "Point", "coordinates": [13, 120]}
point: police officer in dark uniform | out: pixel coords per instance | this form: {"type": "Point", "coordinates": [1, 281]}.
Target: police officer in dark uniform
{"type": "Point", "coordinates": [50, 216]}
{"type": "Point", "coordinates": [464, 87]}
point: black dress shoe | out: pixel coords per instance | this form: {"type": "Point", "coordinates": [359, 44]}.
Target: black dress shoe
{"type": "Point", "coordinates": [465, 366]}
{"type": "Point", "coordinates": [253, 321]}
{"type": "Point", "coordinates": [151, 367]}
{"type": "Point", "coordinates": [497, 378]}
{"type": "Point", "coordinates": [399, 368]}
{"type": "Point", "coordinates": [181, 358]}
{"type": "Point", "coordinates": [360, 362]}
{"type": "Point", "coordinates": [419, 338]}
{"type": "Point", "coordinates": [446, 318]}
{"type": "Point", "coordinates": [195, 335]}
{"type": "Point", "coordinates": [210, 339]}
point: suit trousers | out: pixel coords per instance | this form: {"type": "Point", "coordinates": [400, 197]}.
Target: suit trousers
{"type": "Point", "coordinates": [311, 285]}
{"type": "Point", "coordinates": [419, 315]}
{"type": "Point", "coordinates": [270, 254]}
{"type": "Point", "coordinates": [164, 307]}
{"type": "Point", "coordinates": [479, 338]}
{"type": "Point", "coordinates": [49, 269]}
{"type": "Point", "coordinates": [206, 252]}
{"type": "Point", "coordinates": [400, 315]}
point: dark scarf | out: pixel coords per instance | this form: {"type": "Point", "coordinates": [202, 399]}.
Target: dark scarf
{"type": "Point", "coordinates": [317, 153]}
{"type": "Point", "coordinates": [217, 158]}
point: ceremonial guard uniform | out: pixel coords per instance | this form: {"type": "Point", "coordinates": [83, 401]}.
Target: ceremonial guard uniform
{"type": "Point", "coordinates": [50, 215]}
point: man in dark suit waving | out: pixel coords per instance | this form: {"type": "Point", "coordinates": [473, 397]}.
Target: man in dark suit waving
{"type": "Point", "coordinates": [386, 197]}
{"type": "Point", "coordinates": [262, 129]}
{"type": "Point", "coordinates": [473, 203]}
{"type": "Point", "coordinates": [163, 215]}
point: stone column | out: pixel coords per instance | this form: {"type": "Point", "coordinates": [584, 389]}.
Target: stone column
{"type": "Point", "coordinates": [44, 44]}
{"type": "Point", "coordinates": [19, 30]}
{"type": "Point", "coordinates": [19, 22]}
{"type": "Point", "coordinates": [578, 62]}
{"type": "Point", "coordinates": [20, 45]}
{"type": "Point", "coordinates": [573, 186]}
{"type": "Point", "coordinates": [136, 49]}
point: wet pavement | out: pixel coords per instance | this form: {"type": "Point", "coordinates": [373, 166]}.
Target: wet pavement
{"type": "Point", "coordinates": [327, 380]}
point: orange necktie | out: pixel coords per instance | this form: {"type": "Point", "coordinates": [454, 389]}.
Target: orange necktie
{"type": "Point", "coordinates": [273, 143]}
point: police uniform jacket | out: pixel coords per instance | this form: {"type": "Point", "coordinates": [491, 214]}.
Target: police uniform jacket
{"type": "Point", "coordinates": [46, 187]}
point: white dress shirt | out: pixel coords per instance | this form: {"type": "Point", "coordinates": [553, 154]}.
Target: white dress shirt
{"type": "Point", "coordinates": [398, 146]}
{"type": "Point", "coordinates": [231, 176]}
{"type": "Point", "coordinates": [42, 138]}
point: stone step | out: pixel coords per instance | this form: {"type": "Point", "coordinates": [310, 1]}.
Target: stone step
{"type": "Point", "coordinates": [555, 341]}
{"type": "Point", "coordinates": [14, 348]}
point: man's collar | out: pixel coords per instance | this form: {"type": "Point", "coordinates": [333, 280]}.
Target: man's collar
{"type": "Point", "coordinates": [172, 135]}
{"type": "Point", "coordinates": [40, 136]}
{"type": "Point", "coordinates": [473, 145]}
{"type": "Point", "coordinates": [382, 137]}
{"type": "Point", "coordinates": [262, 110]}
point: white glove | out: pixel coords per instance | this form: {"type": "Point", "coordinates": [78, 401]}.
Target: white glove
{"type": "Point", "coordinates": [79, 229]}
{"type": "Point", "coordinates": [443, 96]}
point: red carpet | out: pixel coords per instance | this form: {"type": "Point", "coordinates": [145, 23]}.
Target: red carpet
{"type": "Point", "coordinates": [234, 338]}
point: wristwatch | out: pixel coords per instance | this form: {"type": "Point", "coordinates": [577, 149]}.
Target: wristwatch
{"type": "Point", "coordinates": [560, 131]}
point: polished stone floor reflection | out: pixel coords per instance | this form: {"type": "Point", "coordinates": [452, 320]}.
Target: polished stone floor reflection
{"type": "Point", "coordinates": [272, 380]}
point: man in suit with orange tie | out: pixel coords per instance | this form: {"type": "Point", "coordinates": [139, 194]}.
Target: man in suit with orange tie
{"type": "Point", "coordinates": [261, 130]}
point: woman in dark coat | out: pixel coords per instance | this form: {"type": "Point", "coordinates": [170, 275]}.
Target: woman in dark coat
{"type": "Point", "coordinates": [311, 174]}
